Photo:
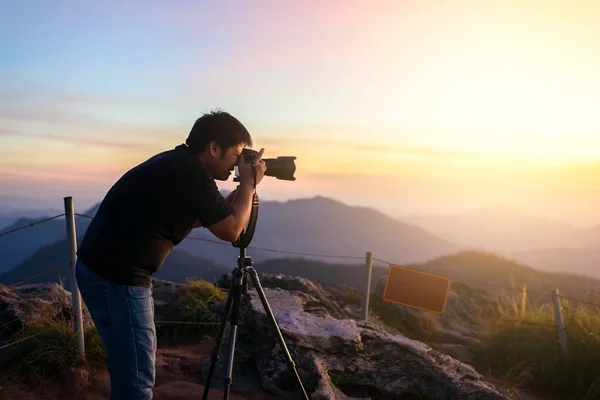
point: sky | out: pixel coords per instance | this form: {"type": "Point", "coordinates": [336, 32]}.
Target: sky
{"type": "Point", "coordinates": [410, 107]}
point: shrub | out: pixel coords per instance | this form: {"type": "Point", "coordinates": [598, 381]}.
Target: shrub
{"type": "Point", "coordinates": [193, 306]}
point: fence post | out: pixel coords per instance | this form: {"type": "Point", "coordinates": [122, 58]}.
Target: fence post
{"type": "Point", "coordinates": [523, 299]}
{"type": "Point", "coordinates": [365, 304]}
{"type": "Point", "coordinates": [560, 324]}
{"type": "Point", "coordinates": [75, 295]}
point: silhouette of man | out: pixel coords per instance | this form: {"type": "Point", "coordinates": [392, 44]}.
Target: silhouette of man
{"type": "Point", "coordinates": [147, 212]}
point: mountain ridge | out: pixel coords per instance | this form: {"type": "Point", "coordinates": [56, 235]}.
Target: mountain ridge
{"type": "Point", "coordinates": [316, 225]}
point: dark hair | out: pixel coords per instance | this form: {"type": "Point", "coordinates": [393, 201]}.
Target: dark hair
{"type": "Point", "coordinates": [219, 126]}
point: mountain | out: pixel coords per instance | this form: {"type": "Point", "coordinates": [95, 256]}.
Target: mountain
{"type": "Point", "coordinates": [485, 270]}
{"type": "Point", "coordinates": [9, 215]}
{"type": "Point", "coordinates": [480, 270]}
{"type": "Point", "coordinates": [5, 221]}
{"type": "Point", "coordinates": [503, 228]}
{"type": "Point", "coordinates": [17, 246]}
{"type": "Point", "coordinates": [542, 243]}
{"type": "Point", "coordinates": [316, 226]}
{"type": "Point", "coordinates": [178, 266]}
{"type": "Point", "coordinates": [498, 228]}
{"type": "Point", "coordinates": [351, 274]}
{"type": "Point", "coordinates": [580, 260]}
{"type": "Point", "coordinates": [320, 225]}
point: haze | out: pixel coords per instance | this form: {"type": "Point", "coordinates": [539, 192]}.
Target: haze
{"type": "Point", "coordinates": [406, 106]}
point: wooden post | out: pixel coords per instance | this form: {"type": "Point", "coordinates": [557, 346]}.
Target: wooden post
{"type": "Point", "coordinates": [560, 324]}
{"type": "Point", "coordinates": [365, 304]}
{"type": "Point", "coordinates": [75, 295]}
{"type": "Point", "coordinates": [523, 300]}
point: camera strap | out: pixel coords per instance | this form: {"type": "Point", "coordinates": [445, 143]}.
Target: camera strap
{"type": "Point", "coordinates": [248, 232]}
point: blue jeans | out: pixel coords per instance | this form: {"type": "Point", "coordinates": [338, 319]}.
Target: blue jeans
{"type": "Point", "coordinates": [124, 318]}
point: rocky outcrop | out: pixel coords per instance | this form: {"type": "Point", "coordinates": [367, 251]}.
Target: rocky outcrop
{"type": "Point", "coordinates": [325, 300]}
{"type": "Point", "coordinates": [341, 359]}
{"type": "Point", "coordinates": [31, 305]}
{"type": "Point", "coordinates": [337, 357]}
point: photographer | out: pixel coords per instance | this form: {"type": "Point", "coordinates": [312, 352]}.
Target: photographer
{"type": "Point", "coordinates": [147, 212]}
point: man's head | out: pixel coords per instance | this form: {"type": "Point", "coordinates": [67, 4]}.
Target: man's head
{"type": "Point", "coordinates": [219, 138]}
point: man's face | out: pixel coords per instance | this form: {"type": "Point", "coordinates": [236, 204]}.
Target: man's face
{"type": "Point", "coordinates": [224, 161]}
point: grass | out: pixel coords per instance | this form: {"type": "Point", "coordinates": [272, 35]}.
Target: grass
{"type": "Point", "coordinates": [528, 352]}
{"type": "Point", "coordinates": [51, 347]}
{"type": "Point", "coordinates": [39, 352]}
{"type": "Point", "coordinates": [193, 306]}
{"type": "Point", "coordinates": [522, 351]}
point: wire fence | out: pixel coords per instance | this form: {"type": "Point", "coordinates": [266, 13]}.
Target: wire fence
{"type": "Point", "coordinates": [286, 252]}
{"type": "Point", "coordinates": [31, 224]}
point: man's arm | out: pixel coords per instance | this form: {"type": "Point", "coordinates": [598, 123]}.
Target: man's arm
{"type": "Point", "coordinates": [231, 196]}
{"type": "Point", "coordinates": [231, 227]}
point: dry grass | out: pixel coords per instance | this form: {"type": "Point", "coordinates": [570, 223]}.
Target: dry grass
{"type": "Point", "coordinates": [526, 351]}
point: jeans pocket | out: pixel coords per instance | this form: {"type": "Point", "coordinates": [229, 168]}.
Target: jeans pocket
{"type": "Point", "coordinates": [96, 296]}
{"type": "Point", "coordinates": [141, 302]}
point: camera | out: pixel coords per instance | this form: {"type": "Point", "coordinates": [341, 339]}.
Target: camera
{"type": "Point", "coordinates": [282, 167]}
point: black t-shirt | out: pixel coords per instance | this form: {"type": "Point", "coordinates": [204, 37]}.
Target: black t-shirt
{"type": "Point", "coordinates": [147, 212]}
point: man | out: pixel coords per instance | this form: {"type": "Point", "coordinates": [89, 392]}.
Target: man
{"type": "Point", "coordinates": [148, 211]}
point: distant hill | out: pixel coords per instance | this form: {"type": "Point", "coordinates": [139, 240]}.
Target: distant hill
{"type": "Point", "coordinates": [489, 271]}
{"type": "Point", "coordinates": [6, 221]}
{"type": "Point", "coordinates": [505, 229]}
{"type": "Point", "coordinates": [480, 270]}
{"type": "Point", "coordinates": [178, 266]}
{"type": "Point", "coordinates": [8, 216]}
{"type": "Point", "coordinates": [317, 226]}
{"type": "Point", "coordinates": [17, 246]}
{"type": "Point", "coordinates": [352, 274]}
{"type": "Point", "coordinates": [577, 260]}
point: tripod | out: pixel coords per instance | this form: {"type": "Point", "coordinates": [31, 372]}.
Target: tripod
{"type": "Point", "coordinates": [239, 286]}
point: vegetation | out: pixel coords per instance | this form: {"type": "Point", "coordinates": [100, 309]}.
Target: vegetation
{"type": "Point", "coordinates": [193, 306]}
{"type": "Point", "coordinates": [51, 348]}
{"type": "Point", "coordinates": [523, 350]}
{"type": "Point", "coordinates": [39, 352]}
{"type": "Point", "coordinates": [527, 351]}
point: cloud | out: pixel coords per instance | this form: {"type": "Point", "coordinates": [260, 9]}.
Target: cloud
{"type": "Point", "coordinates": [58, 118]}
{"type": "Point", "coordinates": [78, 140]}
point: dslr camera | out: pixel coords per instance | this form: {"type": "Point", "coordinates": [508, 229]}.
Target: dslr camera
{"type": "Point", "coordinates": [282, 167]}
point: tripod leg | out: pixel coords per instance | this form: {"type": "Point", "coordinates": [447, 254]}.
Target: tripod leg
{"type": "Point", "coordinates": [219, 341]}
{"type": "Point", "coordinates": [237, 294]}
{"type": "Point", "coordinates": [265, 303]}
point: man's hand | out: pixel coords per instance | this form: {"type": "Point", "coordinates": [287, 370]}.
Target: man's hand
{"type": "Point", "coordinates": [231, 227]}
{"type": "Point", "coordinates": [246, 173]}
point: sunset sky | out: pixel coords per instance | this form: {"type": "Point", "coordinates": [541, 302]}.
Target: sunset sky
{"type": "Point", "coordinates": [406, 106]}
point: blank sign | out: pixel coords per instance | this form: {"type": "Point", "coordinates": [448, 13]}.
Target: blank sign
{"type": "Point", "coordinates": [416, 289]}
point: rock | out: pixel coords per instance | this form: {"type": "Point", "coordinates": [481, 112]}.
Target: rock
{"type": "Point", "coordinates": [176, 366]}
{"type": "Point", "coordinates": [165, 292]}
{"type": "Point", "coordinates": [342, 358]}
{"type": "Point", "coordinates": [325, 304]}
{"type": "Point", "coordinates": [465, 316]}
{"type": "Point", "coordinates": [31, 305]}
